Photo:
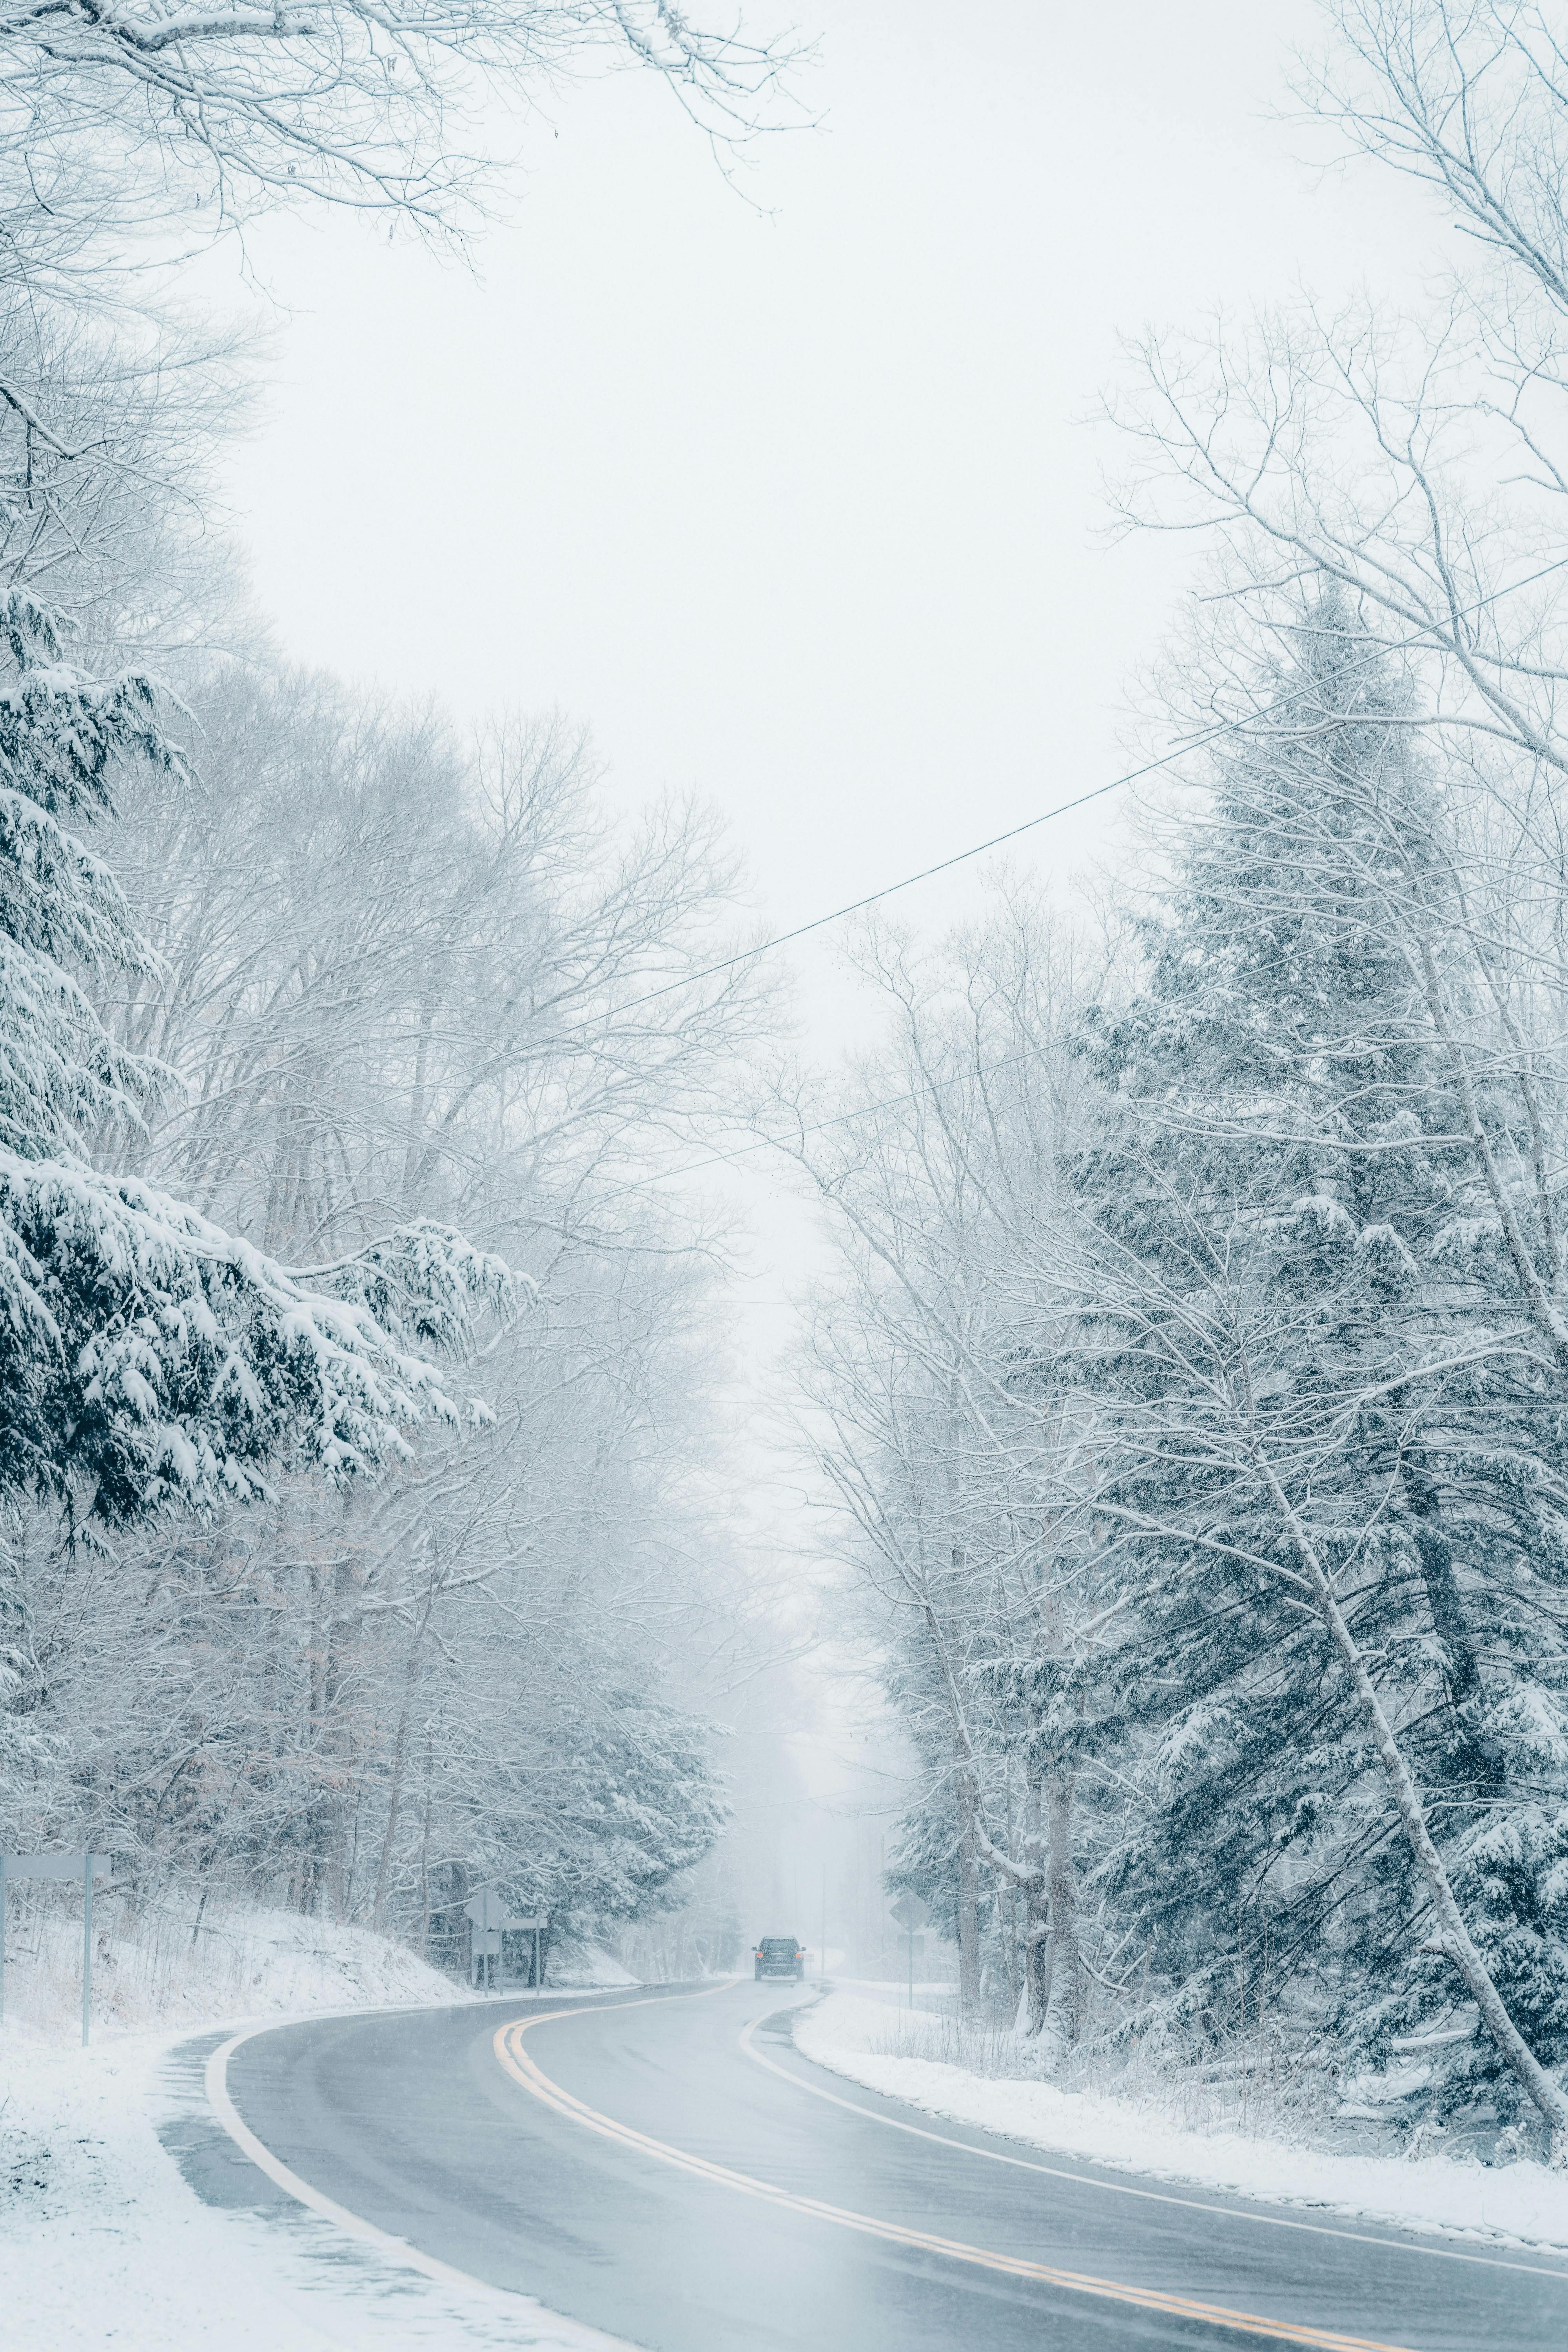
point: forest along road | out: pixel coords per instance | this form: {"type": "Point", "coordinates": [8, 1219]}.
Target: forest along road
{"type": "Point", "coordinates": [667, 2167]}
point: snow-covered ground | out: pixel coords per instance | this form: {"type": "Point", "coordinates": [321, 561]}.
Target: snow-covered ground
{"type": "Point", "coordinates": [168, 1967]}
{"type": "Point", "coordinates": [870, 2041]}
{"type": "Point", "coordinates": [103, 2243]}
{"type": "Point", "coordinates": [173, 1965]}
{"type": "Point", "coordinates": [588, 1967]}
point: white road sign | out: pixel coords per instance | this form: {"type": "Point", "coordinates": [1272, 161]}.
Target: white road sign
{"type": "Point", "coordinates": [53, 1866]}
{"type": "Point", "coordinates": [84, 1868]}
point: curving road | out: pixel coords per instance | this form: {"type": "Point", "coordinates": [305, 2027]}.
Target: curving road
{"type": "Point", "coordinates": [668, 2169]}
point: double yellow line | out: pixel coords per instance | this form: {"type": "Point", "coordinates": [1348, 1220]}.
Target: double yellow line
{"type": "Point", "coordinates": [522, 2067]}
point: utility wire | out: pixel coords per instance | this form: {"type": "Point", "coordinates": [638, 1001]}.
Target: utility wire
{"type": "Point", "coordinates": [1221, 728]}
{"type": "Point", "coordinates": [931, 1086]}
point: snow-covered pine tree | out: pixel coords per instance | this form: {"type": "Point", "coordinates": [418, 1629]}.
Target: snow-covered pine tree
{"type": "Point", "coordinates": [607, 1831]}
{"type": "Point", "coordinates": [1329, 1425]}
{"type": "Point", "coordinates": [146, 1355]}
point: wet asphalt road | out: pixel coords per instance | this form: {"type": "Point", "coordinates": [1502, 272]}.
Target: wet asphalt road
{"type": "Point", "coordinates": [411, 2122]}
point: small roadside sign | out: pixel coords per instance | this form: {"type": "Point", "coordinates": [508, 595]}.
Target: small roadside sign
{"type": "Point", "coordinates": [488, 1914]}
{"type": "Point", "coordinates": [83, 1866]}
{"type": "Point", "coordinates": [53, 1866]}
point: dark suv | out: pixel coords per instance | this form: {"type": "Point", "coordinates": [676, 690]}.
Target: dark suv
{"type": "Point", "coordinates": [780, 1955]}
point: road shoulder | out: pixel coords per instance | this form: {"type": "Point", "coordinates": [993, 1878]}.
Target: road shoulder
{"type": "Point", "coordinates": [1520, 2205]}
{"type": "Point", "coordinates": [132, 2219]}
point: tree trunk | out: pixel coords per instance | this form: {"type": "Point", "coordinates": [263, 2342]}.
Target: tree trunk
{"type": "Point", "coordinates": [1037, 1998]}
{"type": "Point", "coordinates": [1063, 2023]}
{"type": "Point", "coordinates": [394, 1805]}
{"type": "Point", "coordinates": [1456, 1939]}
{"type": "Point", "coordinates": [1538, 1295]}
{"type": "Point", "coordinates": [1007, 1923]}
{"type": "Point", "coordinates": [316, 1842]}
{"type": "Point", "coordinates": [1475, 1759]}
{"type": "Point", "coordinates": [425, 1848]}
{"type": "Point", "coordinates": [968, 1885]}
{"type": "Point", "coordinates": [399, 1749]}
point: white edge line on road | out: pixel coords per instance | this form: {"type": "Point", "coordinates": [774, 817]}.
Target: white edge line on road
{"type": "Point", "coordinates": [354, 2225]}
{"type": "Point", "coordinates": [1125, 2187]}
{"type": "Point", "coordinates": [526, 2071]}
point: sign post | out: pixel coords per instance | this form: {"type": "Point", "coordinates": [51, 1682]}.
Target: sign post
{"type": "Point", "coordinates": [85, 1867]}
{"type": "Point", "coordinates": [85, 1948]}
{"type": "Point", "coordinates": [911, 1913]}
{"type": "Point", "coordinates": [530, 1927]}
{"type": "Point", "coordinates": [487, 1912]}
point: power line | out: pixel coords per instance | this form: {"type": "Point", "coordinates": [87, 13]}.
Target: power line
{"type": "Point", "coordinates": [934, 1086]}
{"type": "Point", "coordinates": [1064, 808]}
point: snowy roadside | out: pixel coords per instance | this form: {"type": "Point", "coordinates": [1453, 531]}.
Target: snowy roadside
{"type": "Point", "coordinates": [103, 2242]}
{"type": "Point", "coordinates": [1520, 2203]}
{"type": "Point", "coordinates": [174, 1965]}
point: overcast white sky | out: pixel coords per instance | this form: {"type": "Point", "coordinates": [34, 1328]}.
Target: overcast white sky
{"type": "Point", "coordinates": [794, 505]}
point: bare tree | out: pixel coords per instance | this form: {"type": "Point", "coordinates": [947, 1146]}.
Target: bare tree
{"type": "Point", "coordinates": [934, 1420]}
{"type": "Point", "coordinates": [396, 977]}
{"type": "Point", "coordinates": [119, 119]}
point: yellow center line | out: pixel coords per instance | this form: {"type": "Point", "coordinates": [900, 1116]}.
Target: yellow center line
{"type": "Point", "coordinates": [1258, 2219]}
{"type": "Point", "coordinates": [522, 2068]}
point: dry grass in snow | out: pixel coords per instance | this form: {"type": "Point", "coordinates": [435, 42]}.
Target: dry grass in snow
{"type": "Point", "coordinates": [171, 1963]}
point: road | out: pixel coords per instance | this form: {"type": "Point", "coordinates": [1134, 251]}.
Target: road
{"type": "Point", "coordinates": [668, 2169]}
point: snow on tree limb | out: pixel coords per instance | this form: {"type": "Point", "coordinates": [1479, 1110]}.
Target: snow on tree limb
{"type": "Point", "coordinates": [148, 1356]}
{"type": "Point", "coordinates": [377, 104]}
{"type": "Point", "coordinates": [152, 1357]}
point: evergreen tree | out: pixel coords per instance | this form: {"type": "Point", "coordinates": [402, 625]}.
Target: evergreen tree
{"type": "Point", "coordinates": [146, 1355]}
{"type": "Point", "coordinates": [1311, 1350]}
{"type": "Point", "coordinates": [631, 1806]}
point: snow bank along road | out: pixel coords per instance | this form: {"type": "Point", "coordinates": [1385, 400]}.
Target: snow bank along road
{"type": "Point", "coordinates": [670, 2169]}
